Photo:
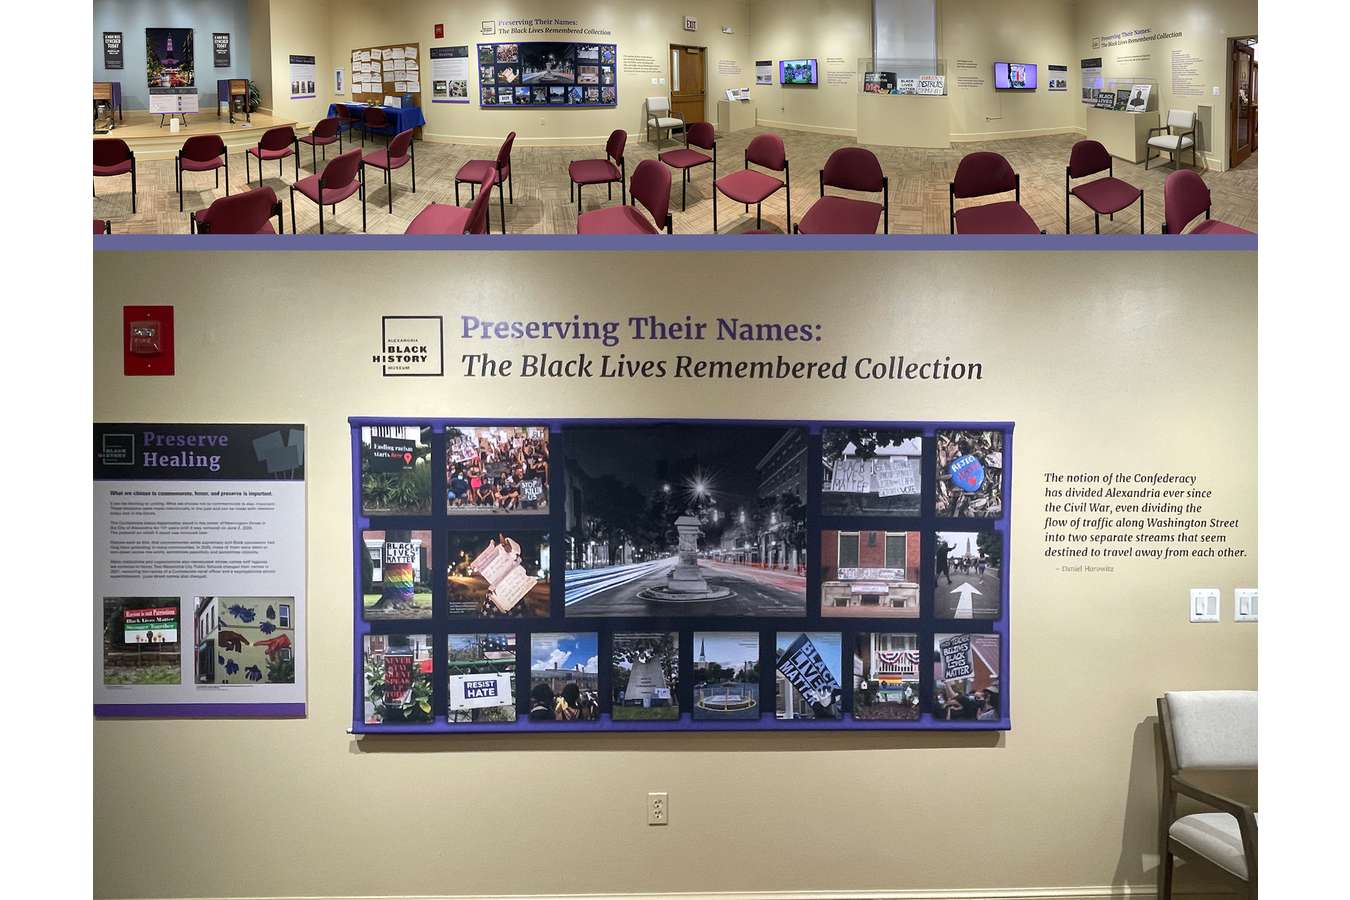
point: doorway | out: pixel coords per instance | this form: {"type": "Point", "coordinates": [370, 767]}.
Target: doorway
{"type": "Point", "coordinates": [1242, 106]}
{"type": "Point", "coordinates": [688, 80]}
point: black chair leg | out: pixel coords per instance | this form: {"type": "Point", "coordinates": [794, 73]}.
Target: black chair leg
{"type": "Point", "coordinates": [293, 229]}
{"type": "Point", "coordinates": [501, 204]}
{"type": "Point", "coordinates": [363, 199]}
{"type": "Point", "coordinates": [321, 210]}
{"type": "Point", "coordinates": [1096, 223]}
{"type": "Point", "coordinates": [133, 186]}
{"type": "Point", "coordinates": [227, 174]}
{"type": "Point", "coordinates": [759, 209]}
{"type": "Point", "coordinates": [511, 190]}
{"type": "Point", "coordinates": [389, 181]}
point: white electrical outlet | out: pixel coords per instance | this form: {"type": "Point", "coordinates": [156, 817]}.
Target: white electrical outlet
{"type": "Point", "coordinates": [1244, 604]}
{"type": "Point", "coordinates": [658, 808]}
{"type": "Point", "coordinates": [1204, 604]}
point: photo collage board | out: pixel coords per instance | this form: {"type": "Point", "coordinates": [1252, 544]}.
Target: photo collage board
{"type": "Point", "coordinates": [616, 575]}
{"type": "Point", "coordinates": [558, 74]}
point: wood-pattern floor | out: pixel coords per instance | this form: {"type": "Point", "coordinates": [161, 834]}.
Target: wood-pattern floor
{"type": "Point", "coordinates": [918, 189]}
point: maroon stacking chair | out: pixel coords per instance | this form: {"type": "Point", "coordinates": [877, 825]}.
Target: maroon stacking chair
{"type": "Point", "coordinates": [374, 119]}
{"type": "Point", "coordinates": [601, 171]}
{"type": "Point", "coordinates": [651, 188]}
{"type": "Point", "coordinates": [750, 186]}
{"type": "Point", "coordinates": [398, 154]}
{"type": "Point", "coordinates": [102, 226]}
{"type": "Point", "coordinates": [202, 153]}
{"type": "Point", "coordinates": [324, 132]}
{"type": "Point", "coordinates": [112, 156]}
{"type": "Point", "coordinates": [442, 218]}
{"type": "Point", "coordinates": [980, 175]}
{"type": "Point", "coordinates": [1185, 196]}
{"type": "Point", "coordinates": [276, 143]}
{"type": "Point", "coordinates": [343, 176]}
{"type": "Point", "coordinates": [849, 169]}
{"type": "Point", "coordinates": [701, 135]}
{"type": "Point", "coordinates": [247, 213]}
{"type": "Point", "coordinates": [348, 119]}
{"type": "Point", "coordinates": [472, 172]}
{"type": "Point", "coordinates": [1107, 195]}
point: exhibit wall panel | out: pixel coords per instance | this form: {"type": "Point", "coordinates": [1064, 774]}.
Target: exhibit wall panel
{"type": "Point", "coordinates": [975, 34]}
{"type": "Point", "coordinates": [1182, 46]}
{"type": "Point", "coordinates": [1138, 364]}
{"type": "Point", "coordinates": [643, 31]}
{"type": "Point", "coordinates": [837, 33]}
{"type": "Point", "coordinates": [204, 17]}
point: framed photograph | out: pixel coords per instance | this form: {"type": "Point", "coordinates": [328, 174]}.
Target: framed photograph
{"type": "Point", "coordinates": [870, 472]}
{"type": "Point", "coordinates": [491, 574]}
{"type": "Point", "coordinates": [396, 574]}
{"type": "Point", "coordinates": [481, 678]}
{"type": "Point", "coordinates": [397, 672]}
{"type": "Point", "coordinates": [395, 470]}
{"type": "Point", "coordinates": [644, 675]}
{"type": "Point", "coordinates": [538, 67]}
{"type": "Point", "coordinates": [970, 474]}
{"type": "Point", "coordinates": [686, 520]}
{"type": "Point", "coordinates": [726, 675]}
{"type": "Point", "coordinates": [807, 675]}
{"type": "Point", "coordinates": [966, 574]}
{"type": "Point", "coordinates": [886, 675]}
{"type": "Point", "coordinates": [141, 640]}
{"type": "Point", "coordinates": [564, 677]}
{"type": "Point", "coordinates": [869, 573]}
{"type": "Point", "coordinates": [966, 677]}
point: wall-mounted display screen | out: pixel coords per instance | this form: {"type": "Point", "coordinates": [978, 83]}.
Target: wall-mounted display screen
{"type": "Point", "coordinates": [797, 71]}
{"type": "Point", "coordinates": [547, 73]}
{"type": "Point", "coordinates": [1013, 76]}
{"type": "Point", "coordinates": [680, 575]}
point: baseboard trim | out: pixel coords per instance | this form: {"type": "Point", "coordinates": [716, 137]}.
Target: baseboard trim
{"type": "Point", "coordinates": [1103, 892]}
{"type": "Point", "coordinates": [800, 126]}
{"type": "Point", "coordinates": [971, 137]}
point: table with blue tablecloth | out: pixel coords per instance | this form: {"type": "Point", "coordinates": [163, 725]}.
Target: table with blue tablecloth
{"type": "Point", "coordinates": [400, 118]}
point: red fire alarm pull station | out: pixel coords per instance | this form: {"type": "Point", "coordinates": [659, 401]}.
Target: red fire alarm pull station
{"type": "Point", "coordinates": [147, 340]}
{"type": "Point", "coordinates": [440, 30]}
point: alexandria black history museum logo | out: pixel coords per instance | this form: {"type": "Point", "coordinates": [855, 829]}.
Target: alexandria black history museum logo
{"type": "Point", "coordinates": [411, 346]}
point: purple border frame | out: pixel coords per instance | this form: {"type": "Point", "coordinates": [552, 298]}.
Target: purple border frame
{"type": "Point", "coordinates": [686, 723]}
{"type": "Point", "coordinates": [199, 710]}
{"type": "Point", "coordinates": [688, 243]}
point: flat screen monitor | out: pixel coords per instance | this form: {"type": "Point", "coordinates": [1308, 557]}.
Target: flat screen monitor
{"type": "Point", "coordinates": [797, 71]}
{"type": "Point", "coordinates": [1012, 76]}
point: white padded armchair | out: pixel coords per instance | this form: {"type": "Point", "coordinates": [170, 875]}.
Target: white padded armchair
{"type": "Point", "coordinates": [1207, 730]}
{"type": "Point", "coordinates": [660, 117]}
{"type": "Point", "coordinates": [1176, 137]}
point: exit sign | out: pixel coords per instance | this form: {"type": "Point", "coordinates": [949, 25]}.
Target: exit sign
{"type": "Point", "coordinates": [690, 23]}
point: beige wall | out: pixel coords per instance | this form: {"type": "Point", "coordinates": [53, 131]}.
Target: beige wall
{"type": "Point", "coordinates": [260, 49]}
{"type": "Point", "coordinates": [1206, 26]}
{"type": "Point", "coordinates": [824, 29]}
{"type": "Point", "coordinates": [302, 27]}
{"type": "Point", "coordinates": [1136, 362]}
{"type": "Point", "coordinates": [987, 31]}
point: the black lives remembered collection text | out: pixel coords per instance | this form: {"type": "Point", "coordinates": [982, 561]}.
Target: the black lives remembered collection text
{"type": "Point", "coordinates": [651, 331]}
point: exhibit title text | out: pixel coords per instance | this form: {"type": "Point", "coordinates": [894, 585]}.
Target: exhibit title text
{"type": "Point", "coordinates": [182, 451]}
{"type": "Point", "coordinates": [653, 331]}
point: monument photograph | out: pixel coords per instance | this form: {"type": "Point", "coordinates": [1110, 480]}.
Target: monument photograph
{"type": "Point", "coordinates": [966, 573]}
{"type": "Point", "coordinates": [685, 520]}
{"type": "Point", "coordinates": [644, 675]}
{"type": "Point", "coordinates": [726, 675]}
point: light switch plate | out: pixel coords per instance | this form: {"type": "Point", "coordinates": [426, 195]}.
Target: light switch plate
{"type": "Point", "coordinates": [1245, 603]}
{"type": "Point", "coordinates": [1204, 604]}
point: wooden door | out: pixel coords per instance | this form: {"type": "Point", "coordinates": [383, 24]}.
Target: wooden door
{"type": "Point", "coordinates": [688, 76]}
{"type": "Point", "coordinates": [1242, 105]}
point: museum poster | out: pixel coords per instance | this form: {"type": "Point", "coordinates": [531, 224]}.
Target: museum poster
{"type": "Point", "coordinates": [534, 574]}
{"type": "Point", "coordinates": [199, 570]}
{"type": "Point", "coordinates": [450, 74]}
{"type": "Point", "coordinates": [112, 50]}
{"type": "Point", "coordinates": [1090, 77]}
{"type": "Point", "coordinates": [170, 70]}
{"type": "Point", "coordinates": [220, 48]}
{"type": "Point", "coordinates": [302, 72]}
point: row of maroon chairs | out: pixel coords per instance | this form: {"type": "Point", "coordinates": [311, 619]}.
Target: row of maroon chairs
{"type": "Point", "coordinates": [978, 175]}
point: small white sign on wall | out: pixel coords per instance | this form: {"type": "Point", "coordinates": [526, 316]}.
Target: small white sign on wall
{"type": "Point", "coordinates": [690, 23]}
